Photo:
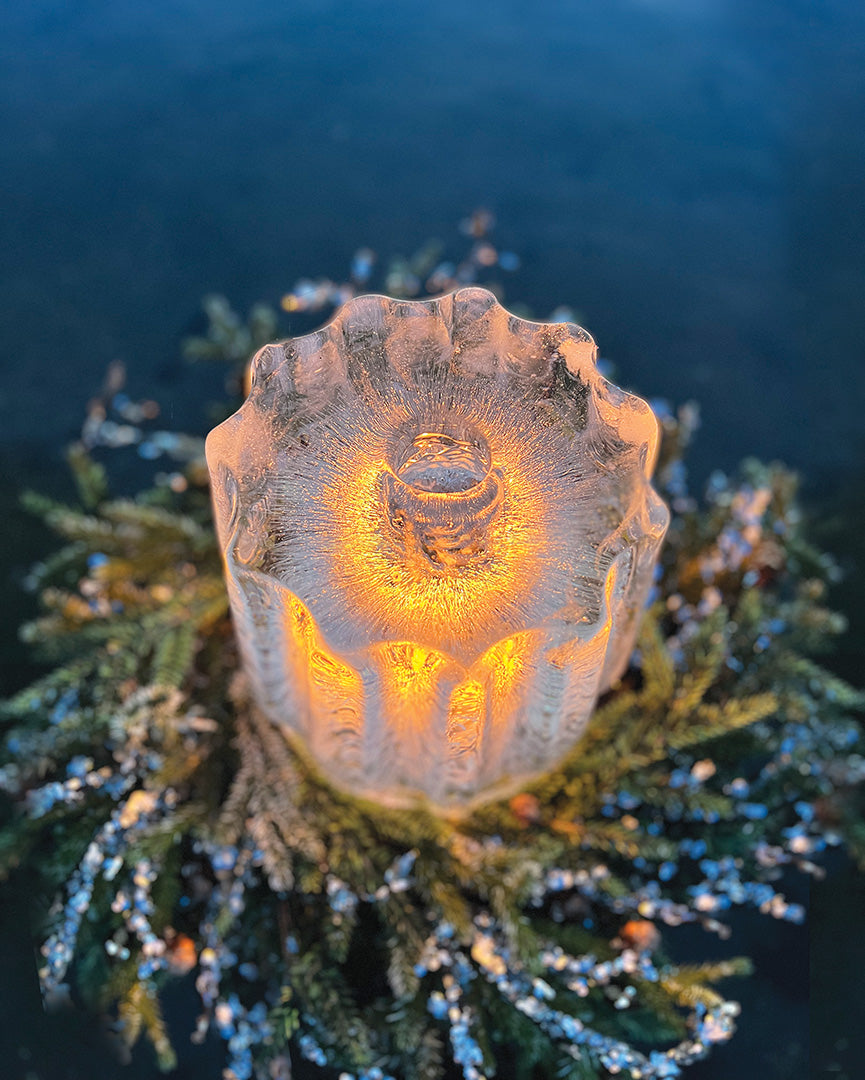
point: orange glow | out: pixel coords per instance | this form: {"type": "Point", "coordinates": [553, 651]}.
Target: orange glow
{"type": "Point", "coordinates": [465, 718]}
{"type": "Point", "coordinates": [396, 588]}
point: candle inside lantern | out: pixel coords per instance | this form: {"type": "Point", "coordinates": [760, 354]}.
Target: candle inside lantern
{"type": "Point", "coordinates": [439, 533]}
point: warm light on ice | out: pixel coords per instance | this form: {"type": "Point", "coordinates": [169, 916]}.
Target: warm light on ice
{"type": "Point", "coordinates": [439, 534]}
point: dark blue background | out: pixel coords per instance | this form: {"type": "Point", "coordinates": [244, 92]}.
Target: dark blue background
{"type": "Point", "coordinates": [686, 173]}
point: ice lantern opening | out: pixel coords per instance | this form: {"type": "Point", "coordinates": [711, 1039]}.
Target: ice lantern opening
{"type": "Point", "coordinates": [439, 534]}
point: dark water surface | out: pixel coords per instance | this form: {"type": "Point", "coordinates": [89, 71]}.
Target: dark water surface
{"type": "Point", "coordinates": [686, 173]}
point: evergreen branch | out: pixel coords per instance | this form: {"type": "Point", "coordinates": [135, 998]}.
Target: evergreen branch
{"type": "Point", "coordinates": [324, 994]}
{"type": "Point", "coordinates": [140, 1012]}
{"type": "Point", "coordinates": [712, 721]}
{"type": "Point", "coordinates": [687, 985]}
{"type": "Point", "coordinates": [91, 478]}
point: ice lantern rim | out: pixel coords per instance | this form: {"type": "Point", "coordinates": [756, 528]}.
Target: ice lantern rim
{"type": "Point", "coordinates": [457, 310]}
{"type": "Point", "coordinates": [581, 354]}
{"type": "Point", "coordinates": [582, 351]}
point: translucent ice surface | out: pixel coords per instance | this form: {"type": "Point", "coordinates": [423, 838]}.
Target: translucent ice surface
{"type": "Point", "coordinates": [439, 534]}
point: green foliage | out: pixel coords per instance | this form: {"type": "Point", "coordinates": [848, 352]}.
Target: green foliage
{"type": "Point", "coordinates": [228, 339]}
{"type": "Point", "coordinates": [140, 1013]}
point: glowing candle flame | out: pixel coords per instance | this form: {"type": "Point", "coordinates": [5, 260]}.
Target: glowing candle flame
{"type": "Point", "coordinates": [439, 533]}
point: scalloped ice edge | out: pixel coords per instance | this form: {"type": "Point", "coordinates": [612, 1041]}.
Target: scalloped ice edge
{"type": "Point", "coordinates": [458, 311]}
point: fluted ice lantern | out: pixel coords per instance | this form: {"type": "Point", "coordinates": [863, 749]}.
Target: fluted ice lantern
{"type": "Point", "coordinates": [439, 534]}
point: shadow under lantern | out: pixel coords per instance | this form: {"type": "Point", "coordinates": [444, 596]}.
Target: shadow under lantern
{"type": "Point", "coordinates": [439, 534]}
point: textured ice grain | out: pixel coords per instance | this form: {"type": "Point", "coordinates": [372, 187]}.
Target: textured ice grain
{"type": "Point", "coordinates": [439, 534]}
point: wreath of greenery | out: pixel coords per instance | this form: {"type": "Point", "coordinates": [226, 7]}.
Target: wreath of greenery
{"type": "Point", "coordinates": [182, 835]}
